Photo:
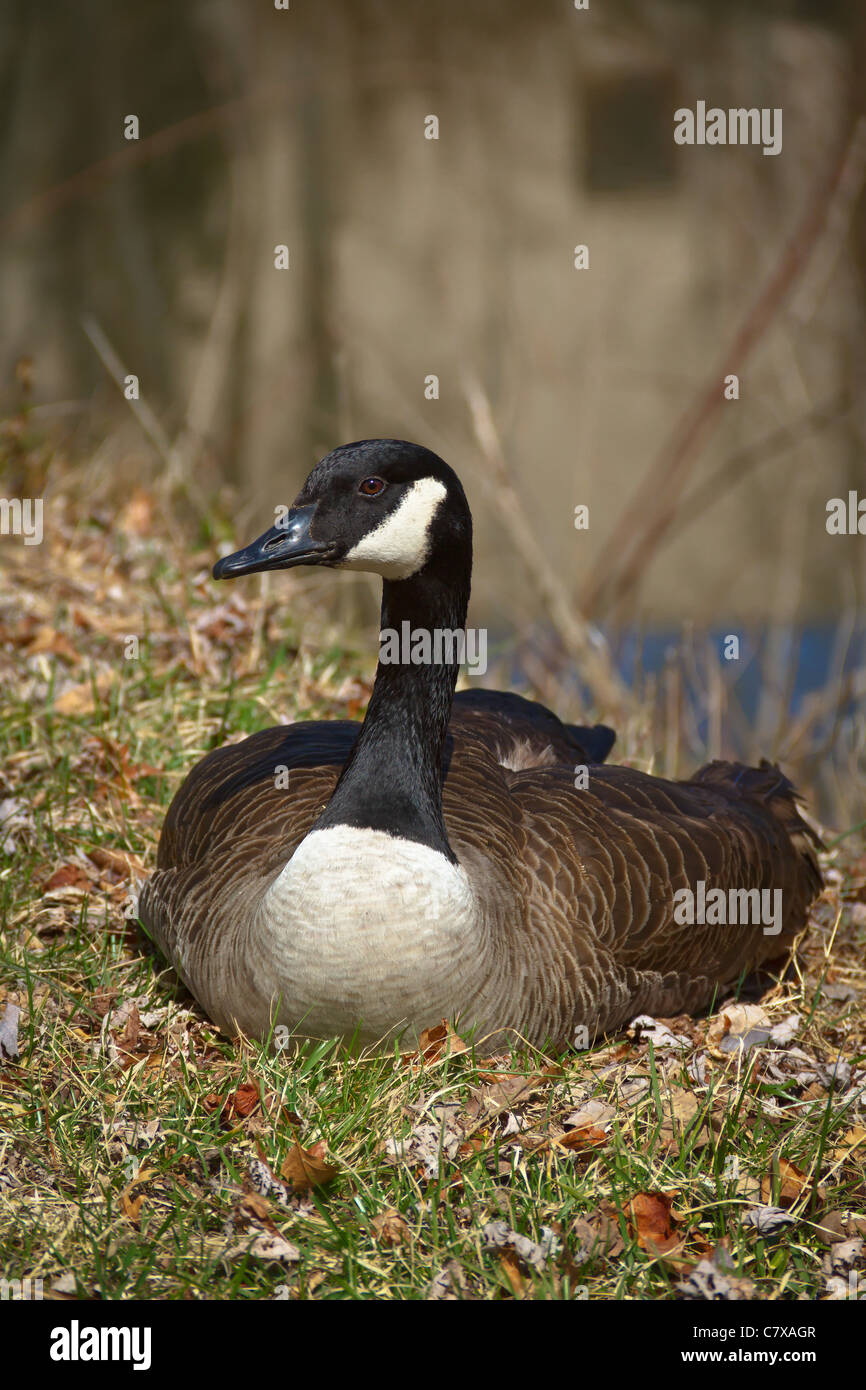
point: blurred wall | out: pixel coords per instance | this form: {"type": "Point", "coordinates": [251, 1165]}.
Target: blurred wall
{"type": "Point", "coordinates": [453, 257]}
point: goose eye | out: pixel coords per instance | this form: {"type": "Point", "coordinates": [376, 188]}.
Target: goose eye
{"type": "Point", "coordinates": [371, 487]}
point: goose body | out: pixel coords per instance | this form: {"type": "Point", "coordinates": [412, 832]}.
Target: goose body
{"type": "Point", "coordinates": [440, 860]}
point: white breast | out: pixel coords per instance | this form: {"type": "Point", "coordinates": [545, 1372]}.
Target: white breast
{"type": "Point", "coordinates": [362, 928]}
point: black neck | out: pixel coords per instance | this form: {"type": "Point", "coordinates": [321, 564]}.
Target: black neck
{"type": "Point", "coordinates": [393, 778]}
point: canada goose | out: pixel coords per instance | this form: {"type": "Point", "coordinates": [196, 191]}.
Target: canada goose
{"type": "Point", "coordinates": [454, 869]}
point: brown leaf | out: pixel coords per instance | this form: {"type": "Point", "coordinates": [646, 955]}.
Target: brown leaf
{"type": "Point", "coordinates": [103, 1001]}
{"type": "Point", "coordinates": [683, 1106]}
{"type": "Point", "coordinates": [244, 1100]}
{"type": "Point", "coordinates": [120, 864]}
{"type": "Point", "coordinates": [586, 1137]}
{"type": "Point", "coordinates": [132, 1205]}
{"type": "Point", "coordinates": [592, 1112]}
{"type": "Point", "coordinates": [305, 1168]}
{"type": "Point", "coordinates": [650, 1214]}
{"type": "Point", "coordinates": [792, 1184]}
{"type": "Point", "coordinates": [831, 1228]}
{"type": "Point", "coordinates": [854, 1139]}
{"type": "Point", "coordinates": [47, 639]}
{"type": "Point", "coordinates": [79, 699]}
{"type": "Point", "coordinates": [510, 1091]}
{"type": "Point", "coordinates": [511, 1270]}
{"type": "Point", "coordinates": [433, 1043]}
{"type": "Point", "coordinates": [67, 876]}
{"type": "Point", "coordinates": [681, 1109]}
{"type": "Point", "coordinates": [128, 1040]}
{"type": "Point", "coordinates": [390, 1227]}
{"type": "Point", "coordinates": [598, 1235]}
{"type": "Point", "coordinates": [254, 1204]}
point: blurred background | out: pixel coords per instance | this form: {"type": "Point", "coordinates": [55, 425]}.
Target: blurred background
{"type": "Point", "coordinates": [431, 293]}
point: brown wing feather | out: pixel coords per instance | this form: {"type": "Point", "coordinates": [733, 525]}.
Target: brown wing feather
{"type": "Point", "coordinates": [580, 883]}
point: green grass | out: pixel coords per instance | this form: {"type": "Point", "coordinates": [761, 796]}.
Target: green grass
{"type": "Point", "coordinates": [124, 1162]}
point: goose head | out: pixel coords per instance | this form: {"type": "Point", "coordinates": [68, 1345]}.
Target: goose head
{"type": "Point", "coordinates": [382, 505]}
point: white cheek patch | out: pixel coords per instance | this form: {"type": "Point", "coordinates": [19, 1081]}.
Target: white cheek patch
{"type": "Point", "coordinates": [400, 545]}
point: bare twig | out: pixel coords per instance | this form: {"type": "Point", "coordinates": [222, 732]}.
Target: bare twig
{"type": "Point", "coordinates": [143, 412]}
{"type": "Point", "coordinates": [737, 466]}
{"type": "Point", "coordinates": [116, 370]}
{"type": "Point", "coordinates": [586, 649]}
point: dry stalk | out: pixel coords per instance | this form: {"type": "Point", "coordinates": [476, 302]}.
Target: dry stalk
{"type": "Point", "coordinates": [589, 653]}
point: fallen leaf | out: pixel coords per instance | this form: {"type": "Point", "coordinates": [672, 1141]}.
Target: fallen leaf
{"type": "Point", "coordinates": [425, 1146]}
{"type": "Point", "coordinates": [785, 1031]}
{"type": "Point", "coordinates": [791, 1182]}
{"type": "Point", "coordinates": [80, 699]}
{"type": "Point", "coordinates": [597, 1235]}
{"type": "Point", "coordinates": [102, 1001]}
{"type": "Point", "coordinates": [768, 1220]}
{"type": "Point", "coordinates": [65, 1286]}
{"type": "Point", "coordinates": [244, 1100]}
{"type": "Point", "coordinates": [830, 1229]}
{"type": "Point", "coordinates": [680, 1111]}
{"type": "Point", "coordinates": [68, 876]}
{"type": "Point", "coordinates": [737, 1028]}
{"type": "Point", "coordinates": [594, 1112]}
{"type": "Point", "coordinates": [15, 818]}
{"type": "Point", "coordinates": [128, 1039]}
{"type": "Point", "coordinates": [682, 1106]}
{"type": "Point", "coordinates": [586, 1137]}
{"type": "Point", "coordinates": [121, 864]}
{"type": "Point", "coordinates": [47, 639]}
{"type": "Point", "coordinates": [853, 1139]}
{"type": "Point", "coordinates": [254, 1204]}
{"type": "Point", "coordinates": [130, 1204]}
{"type": "Point", "coordinates": [437, 1042]}
{"type": "Point", "coordinates": [305, 1168]}
{"type": "Point", "coordinates": [390, 1228]}
{"type": "Point", "coordinates": [511, 1269]}
{"type": "Point", "coordinates": [506, 1092]}
{"type": "Point", "coordinates": [650, 1214]}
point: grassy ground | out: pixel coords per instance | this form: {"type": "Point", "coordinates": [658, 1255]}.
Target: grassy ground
{"type": "Point", "coordinates": [144, 1155]}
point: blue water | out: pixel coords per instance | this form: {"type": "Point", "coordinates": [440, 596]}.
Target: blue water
{"type": "Point", "coordinates": [806, 657]}
{"type": "Point", "coordinates": [788, 664]}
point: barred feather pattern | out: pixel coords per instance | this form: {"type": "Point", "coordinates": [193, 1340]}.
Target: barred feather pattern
{"type": "Point", "coordinates": [572, 888]}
